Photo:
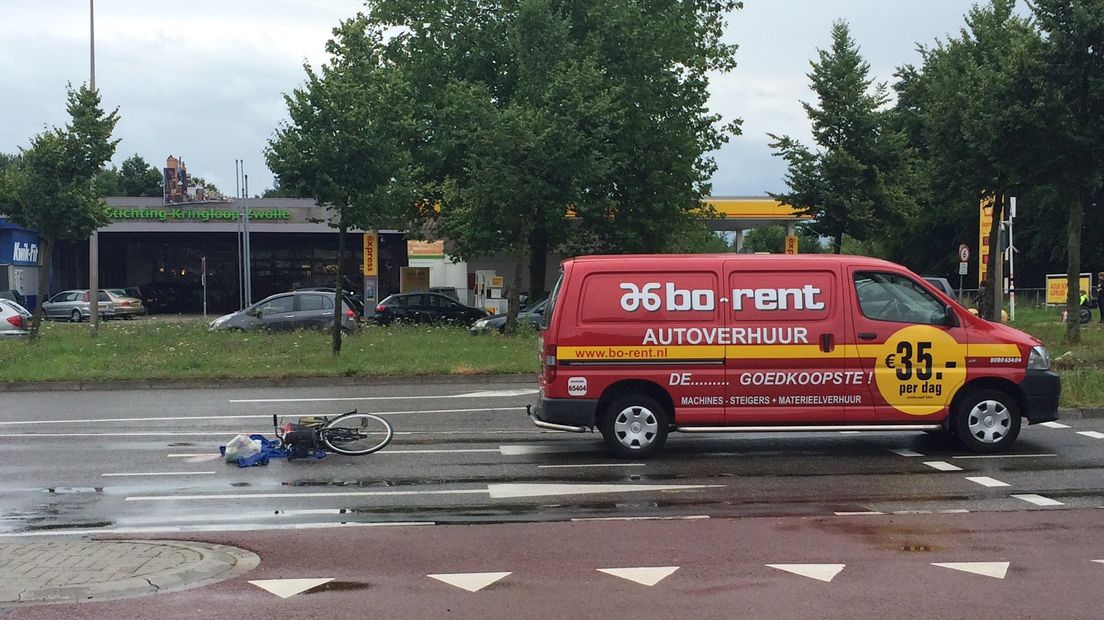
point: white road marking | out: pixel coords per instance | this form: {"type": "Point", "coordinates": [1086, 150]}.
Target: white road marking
{"type": "Point", "coordinates": [1093, 434]}
{"type": "Point", "coordinates": [126, 434]}
{"type": "Point", "coordinates": [380, 453]}
{"type": "Point", "coordinates": [849, 432]}
{"type": "Point", "coordinates": [494, 394]}
{"type": "Point", "coordinates": [1038, 500]}
{"type": "Point", "coordinates": [1002, 456]}
{"type": "Point", "coordinates": [495, 491]}
{"type": "Point", "coordinates": [858, 513]}
{"type": "Point", "coordinates": [986, 481]}
{"type": "Point", "coordinates": [164, 473]}
{"type": "Point", "coordinates": [906, 452]}
{"type": "Point", "coordinates": [1054, 425]}
{"type": "Point", "coordinates": [189, 455]}
{"type": "Point", "coordinates": [1097, 561]}
{"type": "Point", "coordinates": [644, 575]}
{"type": "Point", "coordinates": [230, 527]}
{"type": "Point", "coordinates": [657, 518]}
{"type": "Point", "coordinates": [954, 511]}
{"type": "Point", "coordinates": [244, 416]}
{"type": "Point", "coordinates": [556, 448]}
{"type": "Point", "coordinates": [820, 572]}
{"type": "Point", "coordinates": [987, 569]}
{"type": "Point", "coordinates": [592, 465]}
{"type": "Point", "coordinates": [472, 582]}
{"type": "Point", "coordinates": [287, 588]}
{"type": "Point", "coordinates": [508, 491]}
{"type": "Point", "coordinates": [912, 512]}
{"type": "Point", "coordinates": [942, 466]}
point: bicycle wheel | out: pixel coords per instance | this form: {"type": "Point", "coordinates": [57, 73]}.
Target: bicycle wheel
{"type": "Point", "coordinates": [355, 433]}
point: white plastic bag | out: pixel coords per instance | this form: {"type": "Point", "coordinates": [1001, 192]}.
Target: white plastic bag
{"type": "Point", "coordinates": [241, 446]}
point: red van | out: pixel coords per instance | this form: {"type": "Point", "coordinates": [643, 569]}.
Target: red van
{"type": "Point", "coordinates": [643, 345]}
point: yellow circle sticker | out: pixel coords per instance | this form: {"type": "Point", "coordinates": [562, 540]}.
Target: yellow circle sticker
{"type": "Point", "coordinates": [918, 368]}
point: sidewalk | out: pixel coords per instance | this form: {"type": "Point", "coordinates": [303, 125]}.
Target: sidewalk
{"type": "Point", "coordinates": [83, 571]}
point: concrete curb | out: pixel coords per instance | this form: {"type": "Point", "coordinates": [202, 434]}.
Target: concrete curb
{"type": "Point", "coordinates": [193, 384]}
{"type": "Point", "coordinates": [52, 578]}
{"type": "Point", "coordinates": [1080, 414]}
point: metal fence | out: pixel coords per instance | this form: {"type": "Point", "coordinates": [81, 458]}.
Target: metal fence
{"type": "Point", "coordinates": [1025, 297]}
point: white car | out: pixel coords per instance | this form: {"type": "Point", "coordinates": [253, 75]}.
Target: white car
{"type": "Point", "coordinates": [15, 320]}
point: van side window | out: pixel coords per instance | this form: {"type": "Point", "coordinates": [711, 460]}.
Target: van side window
{"type": "Point", "coordinates": [891, 297]}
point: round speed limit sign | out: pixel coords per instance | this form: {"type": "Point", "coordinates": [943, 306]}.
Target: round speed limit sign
{"type": "Point", "coordinates": [964, 252]}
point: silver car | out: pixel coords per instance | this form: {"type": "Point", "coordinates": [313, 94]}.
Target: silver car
{"type": "Point", "coordinates": [126, 306]}
{"type": "Point", "coordinates": [15, 320]}
{"type": "Point", "coordinates": [73, 306]}
{"type": "Point", "coordinates": [287, 312]}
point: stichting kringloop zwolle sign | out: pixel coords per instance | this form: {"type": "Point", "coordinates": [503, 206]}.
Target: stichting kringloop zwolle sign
{"type": "Point", "coordinates": [203, 215]}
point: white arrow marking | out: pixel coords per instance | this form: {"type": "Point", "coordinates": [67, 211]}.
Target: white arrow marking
{"type": "Point", "coordinates": [644, 575]}
{"type": "Point", "coordinates": [822, 572]}
{"type": "Point", "coordinates": [1054, 425]}
{"type": "Point", "coordinates": [506, 491]}
{"type": "Point", "coordinates": [986, 481]}
{"type": "Point", "coordinates": [1098, 561]}
{"type": "Point", "coordinates": [986, 569]}
{"type": "Point", "coordinates": [472, 582]}
{"type": "Point", "coordinates": [285, 588]}
{"type": "Point", "coordinates": [1093, 434]}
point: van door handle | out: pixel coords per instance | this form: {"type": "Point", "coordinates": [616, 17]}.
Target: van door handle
{"type": "Point", "coordinates": [868, 336]}
{"type": "Point", "coordinates": [827, 343]}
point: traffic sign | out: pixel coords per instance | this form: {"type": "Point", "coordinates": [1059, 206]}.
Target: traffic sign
{"type": "Point", "coordinates": [963, 268]}
{"type": "Point", "coordinates": [964, 253]}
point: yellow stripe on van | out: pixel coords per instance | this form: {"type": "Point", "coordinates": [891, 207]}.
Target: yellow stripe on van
{"type": "Point", "coordinates": [992, 350]}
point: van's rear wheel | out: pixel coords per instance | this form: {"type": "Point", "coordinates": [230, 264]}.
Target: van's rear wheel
{"type": "Point", "coordinates": [988, 420]}
{"type": "Point", "coordinates": [634, 426]}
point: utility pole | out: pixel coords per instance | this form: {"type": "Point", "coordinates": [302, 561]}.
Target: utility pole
{"type": "Point", "coordinates": [94, 238]}
{"type": "Point", "coordinates": [1011, 261]}
{"type": "Point", "coordinates": [245, 221]}
{"type": "Point", "coordinates": [237, 194]}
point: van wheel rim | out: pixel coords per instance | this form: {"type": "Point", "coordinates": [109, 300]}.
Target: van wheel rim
{"type": "Point", "coordinates": [635, 427]}
{"type": "Point", "coordinates": [989, 421]}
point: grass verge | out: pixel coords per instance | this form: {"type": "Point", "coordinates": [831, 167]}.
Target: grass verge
{"type": "Point", "coordinates": [1081, 365]}
{"type": "Point", "coordinates": [158, 349]}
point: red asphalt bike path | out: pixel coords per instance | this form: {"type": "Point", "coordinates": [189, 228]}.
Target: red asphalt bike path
{"type": "Point", "coordinates": [382, 572]}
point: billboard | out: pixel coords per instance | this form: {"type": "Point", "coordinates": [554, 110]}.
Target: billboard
{"type": "Point", "coordinates": [1056, 287]}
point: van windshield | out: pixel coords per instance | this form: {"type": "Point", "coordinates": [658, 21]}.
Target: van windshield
{"type": "Point", "coordinates": [550, 303]}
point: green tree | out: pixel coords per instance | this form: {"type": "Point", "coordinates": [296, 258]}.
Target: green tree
{"type": "Point", "coordinates": [108, 182]}
{"type": "Point", "coordinates": [51, 191]}
{"type": "Point", "coordinates": [852, 184]}
{"type": "Point", "coordinates": [610, 99]}
{"type": "Point", "coordinates": [348, 141]}
{"type": "Point", "coordinates": [971, 109]}
{"type": "Point", "coordinates": [138, 178]}
{"type": "Point", "coordinates": [773, 239]}
{"type": "Point", "coordinates": [1072, 111]}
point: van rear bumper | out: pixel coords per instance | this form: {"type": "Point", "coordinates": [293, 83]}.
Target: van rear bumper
{"type": "Point", "coordinates": [572, 413]}
{"type": "Point", "coordinates": [1041, 388]}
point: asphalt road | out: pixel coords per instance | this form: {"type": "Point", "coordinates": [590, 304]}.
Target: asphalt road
{"type": "Point", "coordinates": [551, 509]}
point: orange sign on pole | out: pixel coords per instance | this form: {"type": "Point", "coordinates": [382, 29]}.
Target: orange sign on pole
{"type": "Point", "coordinates": [371, 245]}
{"type": "Point", "coordinates": [984, 224]}
{"type": "Point", "coordinates": [791, 244]}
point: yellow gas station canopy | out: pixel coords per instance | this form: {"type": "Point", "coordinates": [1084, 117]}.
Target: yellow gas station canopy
{"type": "Point", "coordinates": [742, 213]}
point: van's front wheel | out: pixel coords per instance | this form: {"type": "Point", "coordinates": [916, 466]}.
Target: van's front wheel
{"type": "Point", "coordinates": [988, 420]}
{"type": "Point", "coordinates": [634, 426]}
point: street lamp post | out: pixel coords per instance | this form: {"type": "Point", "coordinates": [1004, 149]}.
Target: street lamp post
{"type": "Point", "coordinates": [93, 239]}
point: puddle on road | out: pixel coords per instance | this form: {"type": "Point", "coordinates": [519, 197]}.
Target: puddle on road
{"type": "Point", "coordinates": [339, 586]}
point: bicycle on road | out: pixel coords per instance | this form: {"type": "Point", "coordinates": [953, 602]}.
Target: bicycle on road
{"type": "Point", "coordinates": [351, 434]}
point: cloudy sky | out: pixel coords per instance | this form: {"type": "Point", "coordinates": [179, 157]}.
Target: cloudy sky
{"type": "Point", "coordinates": [204, 79]}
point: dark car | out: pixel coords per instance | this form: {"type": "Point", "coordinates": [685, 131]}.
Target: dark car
{"type": "Point", "coordinates": [943, 285]}
{"type": "Point", "coordinates": [287, 312]}
{"type": "Point", "coordinates": [425, 308]}
{"type": "Point", "coordinates": [529, 318]}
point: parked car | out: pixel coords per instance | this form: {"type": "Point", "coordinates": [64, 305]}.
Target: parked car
{"type": "Point", "coordinates": [15, 320]}
{"type": "Point", "coordinates": [425, 308]}
{"type": "Point", "coordinates": [943, 285]}
{"type": "Point", "coordinates": [14, 295]}
{"type": "Point", "coordinates": [350, 297]}
{"type": "Point", "coordinates": [73, 305]}
{"type": "Point", "coordinates": [529, 318]}
{"type": "Point", "coordinates": [447, 291]}
{"type": "Point", "coordinates": [126, 306]}
{"type": "Point", "coordinates": [287, 312]}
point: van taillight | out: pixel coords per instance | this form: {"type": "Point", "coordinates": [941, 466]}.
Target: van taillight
{"type": "Point", "coordinates": [17, 321]}
{"type": "Point", "coordinates": [548, 356]}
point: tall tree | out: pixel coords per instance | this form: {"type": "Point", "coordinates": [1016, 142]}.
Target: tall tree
{"type": "Point", "coordinates": [348, 141]}
{"type": "Point", "coordinates": [1072, 109]}
{"type": "Point", "coordinates": [851, 184]}
{"type": "Point", "coordinates": [138, 178]}
{"type": "Point", "coordinates": [974, 104]}
{"type": "Point", "coordinates": [611, 98]}
{"type": "Point", "coordinates": [50, 190]}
